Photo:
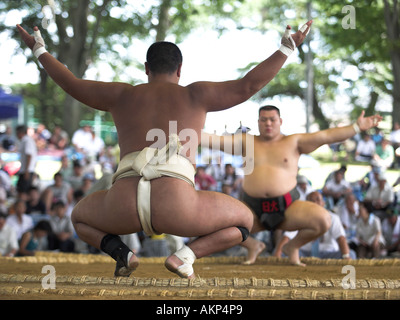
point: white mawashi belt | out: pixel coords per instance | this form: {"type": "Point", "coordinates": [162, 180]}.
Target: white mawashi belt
{"type": "Point", "coordinates": [152, 163]}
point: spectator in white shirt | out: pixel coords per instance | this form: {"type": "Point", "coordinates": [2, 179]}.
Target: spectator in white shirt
{"type": "Point", "coordinates": [391, 231]}
{"type": "Point", "coordinates": [8, 238]}
{"type": "Point", "coordinates": [19, 220]}
{"type": "Point", "coordinates": [304, 187]}
{"type": "Point", "coordinates": [380, 196]}
{"type": "Point", "coordinates": [365, 149]}
{"type": "Point", "coordinates": [28, 157]}
{"type": "Point", "coordinates": [335, 189]}
{"type": "Point", "coordinates": [369, 233]}
{"type": "Point", "coordinates": [348, 212]}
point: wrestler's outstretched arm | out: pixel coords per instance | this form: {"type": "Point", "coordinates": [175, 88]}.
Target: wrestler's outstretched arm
{"type": "Point", "coordinates": [95, 94]}
{"type": "Point", "coordinates": [309, 142]}
{"type": "Point", "coordinates": [215, 96]}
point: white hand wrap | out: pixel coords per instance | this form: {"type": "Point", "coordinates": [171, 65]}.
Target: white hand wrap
{"type": "Point", "coordinates": [287, 43]}
{"type": "Point", "coordinates": [188, 257]}
{"type": "Point", "coordinates": [39, 47]}
{"type": "Point", "coordinates": [356, 128]}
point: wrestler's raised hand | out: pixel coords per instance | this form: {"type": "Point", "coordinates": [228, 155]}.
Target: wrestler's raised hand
{"type": "Point", "coordinates": [26, 37]}
{"type": "Point", "coordinates": [291, 41]}
{"type": "Point", "coordinates": [366, 123]}
{"type": "Point", "coordinates": [35, 42]}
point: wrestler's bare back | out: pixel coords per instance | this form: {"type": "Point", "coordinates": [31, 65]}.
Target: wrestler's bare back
{"type": "Point", "coordinates": [275, 167]}
{"type": "Point", "coordinates": [165, 106]}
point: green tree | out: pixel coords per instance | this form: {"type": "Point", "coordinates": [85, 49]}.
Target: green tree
{"type": "Point", "coordinates": [86, 30]}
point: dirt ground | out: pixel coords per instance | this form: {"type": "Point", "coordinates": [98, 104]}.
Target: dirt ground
{"type": "Point", "coordinates": [86, 277]}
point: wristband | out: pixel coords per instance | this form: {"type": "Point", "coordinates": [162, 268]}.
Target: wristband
{"type": "Point", "coordinates": [287, 43]}
{"type": "Point", "coordinates": [346, 256]}
{"type": "Point", "coordinates": [356, 128]}
{"type": "Point", "coordinates": [39, 47]}
{"type": "Point", "coordinates": [39, 52]}
{"type": "Point", "coordinates": [285, 50]}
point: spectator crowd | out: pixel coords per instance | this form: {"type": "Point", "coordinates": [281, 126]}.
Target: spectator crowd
{"type": "Point", "coordinates": [36, 216]}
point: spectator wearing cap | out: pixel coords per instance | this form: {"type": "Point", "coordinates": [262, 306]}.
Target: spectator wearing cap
{"type": "Point", "coordinates": [303, 186]}
{"type": "Point", "coordinates": [380, 196]}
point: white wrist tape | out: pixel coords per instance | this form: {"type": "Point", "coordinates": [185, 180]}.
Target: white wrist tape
{"type": "Point", "coordinates": [288, 44]}
{"type": "Point", "coordinates": [39, 52]}
{"type": "Point", "coordinates": [356, 128]}
{"type": "Point", "coordinates": [39, 47]}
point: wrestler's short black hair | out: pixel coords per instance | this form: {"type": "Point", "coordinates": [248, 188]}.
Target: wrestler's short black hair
{"type": "Point", "coordinates": [163, 57]}
{"type": "Point", "coordinates": [269, 108]}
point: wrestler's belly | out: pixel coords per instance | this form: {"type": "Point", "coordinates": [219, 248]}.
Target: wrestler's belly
{"type": "Point", "coordinates": [267, 182]}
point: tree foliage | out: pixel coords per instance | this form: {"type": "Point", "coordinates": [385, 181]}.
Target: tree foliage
{"type": "Point", "coordinates": [85, 32]}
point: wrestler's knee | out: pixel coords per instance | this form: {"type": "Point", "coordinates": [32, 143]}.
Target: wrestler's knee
{"type": "Point", "coordinates": [324, 221]}
{"type": "Point", "coordinates": [245, 233]}
{"type": "Point", "coordinates": [75, 215]}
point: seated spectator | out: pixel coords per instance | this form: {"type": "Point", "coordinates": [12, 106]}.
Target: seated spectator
{"type": "Point", "coordinates": [384, 155]}
{"type": "Point", "coordinates": [371, 178]}
{"type": "Point", "coordinates": [95, 148]}
{"type": "Point", "coordinates": [87, 182]}
{"type": "Point", "coordinates": [231, 182]}
{"type": "Point", "coordinates": [81, 138]}
{"type": "Point", "coordinates": [59, 190]}
{"type": "Point", "coordinates": [203, 180]}
{"type": "Point", "coordinates": [41, 136]}
{"type": "Point", "coordinates": [335, 189]}
{"type": "Point", "coordinates": [380, 196]}
{"type": "Point", "coordinates": [377, 136]}
{"type": "Point", "coordinates": [369, 233]}
{"type": "Point", "coordinates": [391, 231]}
{"type": "Point", "coordinates": [331, 176]}
{"type": "Point", "coordinates": [365, 149]}
{"type": "Point", "coordinates": [217, 171]}
{"type": "Point", "coordinates": [59, 139]}
{"type": "Point", "coordinates": [331, 245]}
{"type": "Point", "coordinates": [304, 187]}
{"type": "Point", "coordinates": [8, 238]}
{"type": "Point", "coordinates": [348, 212]}
{"type": "Point", "coordinates": [19, 220]}
{"type": "Point", "coordinates": [5, 181]}
{"type": "Point", "coordinates": [31, 240]}
{"type": "Point", "coordinates": [76, 178]}
{"type": "Point", "coordinates": [8, 141]}
{"type": "Point", "coordinates": [63, 230]}
{"type": "Point", "coordinates": [66, 169]}
{"type": "Point", "coordinates": [34, 203]}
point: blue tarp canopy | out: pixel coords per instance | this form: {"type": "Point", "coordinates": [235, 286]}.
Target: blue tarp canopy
{"type": "Point", "coordinates": [9, 105]}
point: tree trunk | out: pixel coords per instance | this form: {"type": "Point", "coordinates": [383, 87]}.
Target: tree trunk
{"type": "Point", "coordinates": [163, 20]}
{"type": "Point", "coordinates": [392, 16]}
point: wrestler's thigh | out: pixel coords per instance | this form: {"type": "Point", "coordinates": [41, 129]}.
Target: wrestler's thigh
{"type": "Point", "coordinates": [186, 212]}
{"type": "Point", "coordinates": [112, 211]}
{"type": "Point", "coordinates": [303, 215]}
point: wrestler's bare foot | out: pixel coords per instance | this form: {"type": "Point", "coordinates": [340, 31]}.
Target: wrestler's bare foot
{"type": "Point", "coordinates": [254, 251]}
{"type": "Point", "coordinates": [122, 271]}
{"type": "Point", "coordinates": [293, 254]}
{"type": "Point", "coordinates": [173, 263]}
